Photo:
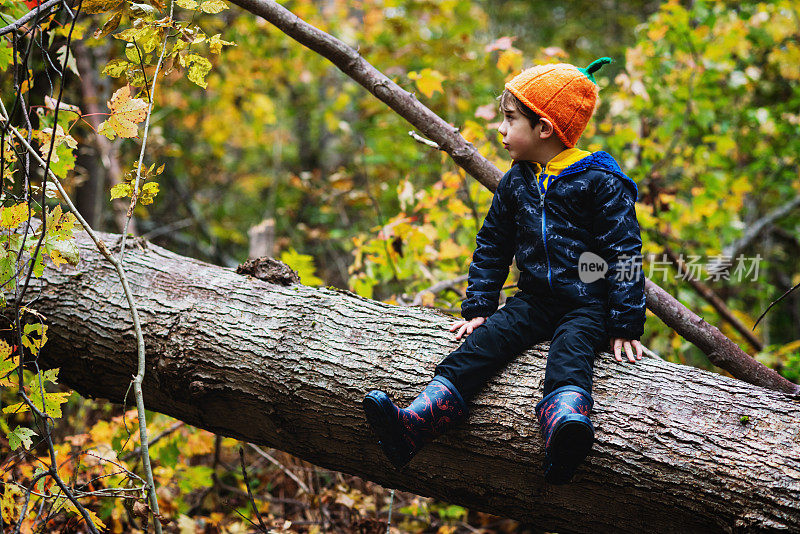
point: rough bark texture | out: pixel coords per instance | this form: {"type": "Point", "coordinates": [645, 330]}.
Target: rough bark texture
{"type": "Point", "coordinates": [288, 366]}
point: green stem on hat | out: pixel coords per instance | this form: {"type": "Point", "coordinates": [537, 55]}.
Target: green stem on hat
{"type": "Point", "coordinates": [594, 66]}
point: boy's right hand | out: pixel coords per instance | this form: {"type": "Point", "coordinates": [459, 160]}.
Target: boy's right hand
{"type": "Point", "coordinates": [467, 326]}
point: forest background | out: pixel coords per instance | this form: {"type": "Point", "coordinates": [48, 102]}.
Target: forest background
{"type": "Point", "coordinates": [700, 109]}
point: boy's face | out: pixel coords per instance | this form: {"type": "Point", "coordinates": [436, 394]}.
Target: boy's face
{"type": "Point", "coordinates": [522, 141]}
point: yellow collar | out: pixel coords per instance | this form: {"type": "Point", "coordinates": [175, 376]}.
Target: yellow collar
{"type": "Point", "coordinates": [562, 160]}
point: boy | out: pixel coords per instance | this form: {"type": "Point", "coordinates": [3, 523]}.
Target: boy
{"type": "Point", "coordinates": [558, 209]}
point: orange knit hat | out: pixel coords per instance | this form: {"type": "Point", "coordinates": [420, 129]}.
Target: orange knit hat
{"type": "Point", "coordinates": [562, 93]}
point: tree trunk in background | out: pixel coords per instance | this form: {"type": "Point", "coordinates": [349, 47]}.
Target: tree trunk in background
{"type": "Point", "coordinates": [677, 449]}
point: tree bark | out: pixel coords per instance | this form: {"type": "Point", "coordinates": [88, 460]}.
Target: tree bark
{"type": "Point", "coordinates": [677, 449]}
{"type": "Point", "coordinates": [725, 354]}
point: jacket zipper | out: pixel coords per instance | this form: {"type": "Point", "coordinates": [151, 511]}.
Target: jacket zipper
{"type": "Point", "coordinates": [544, 221]}
{"type": "Point", "coordinates": [544, 229]}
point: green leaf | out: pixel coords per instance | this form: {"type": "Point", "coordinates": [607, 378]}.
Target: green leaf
{"type": "Point", "coordinates": [34, 344]}
{"type": "Point", "coordinates": [8, 364]}
{"type": "Point", "coordinates": [21, 436]}
{"type": "Point", "coordinates": [303, 264]}
{"type": "Point", "coordinates": [6, 55]}
{"type": "Point", "coordinates": [50, 376]}
{"type": "Point", "coordinates": [186, 4]}
{"type": "Point", "coordinates": [40, 482]}
{"type": "Point", "coordinates": [38, 265]}
{"type": "Point", "coordinates": [65, 163]}
{"type": "Point", "coordinates": [7, 270]}
{"type": "Point", "coordinates": [13, 216]}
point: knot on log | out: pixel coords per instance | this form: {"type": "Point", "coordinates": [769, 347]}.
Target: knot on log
{"type": "Point", "coordinates": [269, 270]}
{"type": "Point", "coordinates": [135, 242]}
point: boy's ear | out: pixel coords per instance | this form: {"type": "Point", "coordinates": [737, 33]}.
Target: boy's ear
{"type": "Point", "coordinates": [547, 129]}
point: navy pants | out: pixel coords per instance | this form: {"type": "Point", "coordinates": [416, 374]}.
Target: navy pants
{"type": "Point", "coordinates": [577, 334]}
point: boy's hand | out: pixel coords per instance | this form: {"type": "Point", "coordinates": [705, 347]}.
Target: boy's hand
{"type": "Point", "coordinates": [467, 326]}
{"type": "Point", "coordinates": [617, 343]}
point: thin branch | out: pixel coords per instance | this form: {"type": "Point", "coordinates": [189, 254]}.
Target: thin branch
{"type": "Point", "coordinates": [158, 437]}
{"type": "Point", "coordinates": [427, 142]}
{"type": "Point", "coordinates": [753, 231]}
{"type": "Point", "coordinates": [283, 468]}
{"type": "Point", "coordinates": [24, 19]}
{"type": "Point", "coordinates": [249, 492]}
{"type": "Point", "coordinates": [774, 302]}
{"type": "Point", "coordinates": [438, 287]}
{"type": "Point", "coordinates": [151, 96]}
{"type": "Point", "coordinates": [717, 303]}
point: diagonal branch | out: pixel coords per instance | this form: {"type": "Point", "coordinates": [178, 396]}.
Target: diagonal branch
{"type": "Point", "coordinates": [717, 303]}
{"type": "Point", "coordinates": [723, 352]}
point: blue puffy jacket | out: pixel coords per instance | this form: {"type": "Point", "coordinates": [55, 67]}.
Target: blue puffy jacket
{"type": "Point", "coordinates": [587, 207]}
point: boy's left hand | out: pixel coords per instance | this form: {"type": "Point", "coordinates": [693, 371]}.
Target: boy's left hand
{"type": "Point", "coordinates": [617, 343]}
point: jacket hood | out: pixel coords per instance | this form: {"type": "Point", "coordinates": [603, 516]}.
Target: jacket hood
{"type": "Point", "coordinates": [604, 161]}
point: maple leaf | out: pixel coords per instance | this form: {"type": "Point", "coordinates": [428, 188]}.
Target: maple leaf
{"type": "Point", "coordinates": [428, 81]}
{"type": "Point", "coordinates": [126, 113]}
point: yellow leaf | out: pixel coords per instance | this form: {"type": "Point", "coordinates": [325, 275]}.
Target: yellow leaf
{"type": "Point", "coordinates": [186, 4]}
{"type": "Point", "coordinates": [10, 506]}
{"type": "Point", "coordinates": [450, 249]}
{"type": "Point", "coordinates": [13, 216]}
{"type": "Point", "coordinates": [120, 191]}
{"type": "Point", "coordinates": [57, 258]}
{"type": "Point", "coordinates": [45, 138]}
{"type": "Point", "coordinates": [8, 364]}
{"type": "Point", "coordinates": [428, 81]}
{"type": "Point", "coordinates": [116, 67]}
{"type": "Point", "coordinates": [509, 60]}
{"type": "Point", "coordinates": [93, 516]}
{"type": "Point", "coordinates": [110, 25]}
{"type": "Point", "coordinates": [91, 7]}
{"type": "Point", "coordinates": [215, 43]}
{"type": "Point", "coordinates": [200, 66]}
{"type": "Point", "coordinates": [213, 6]}
{"type": "Point", "coordinates": [657, 33]}
{"type": "Point", "coordinates": [52, 403]}
{"type": "Point", "coordinates": [126, 113]}
{"type": "Point", "coordinates": [148, 192]}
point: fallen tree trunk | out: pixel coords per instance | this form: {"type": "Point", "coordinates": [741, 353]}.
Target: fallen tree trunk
{"type": "Point", "coordinates": [678, 449]}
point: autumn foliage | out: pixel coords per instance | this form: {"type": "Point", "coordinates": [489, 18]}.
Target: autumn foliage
{"type": "Point", "coordinates": [701, 109]}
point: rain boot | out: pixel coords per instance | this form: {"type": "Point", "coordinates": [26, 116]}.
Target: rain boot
{"type": "Point", "coordinates": [567, 431]}
{"type": "Point", "coordinates": [402, 432]}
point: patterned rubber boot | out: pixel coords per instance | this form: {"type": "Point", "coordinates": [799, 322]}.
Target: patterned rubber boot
{"type": "Point", "coordinates": [567, 431]}
{"type": "Point", "coordinates": [402, 432]}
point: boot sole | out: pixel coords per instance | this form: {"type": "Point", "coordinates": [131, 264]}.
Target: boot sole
{"type": "Point", "coordinates": [380, 417]}
{"type": "Point", "coordinates": [570, 446]}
